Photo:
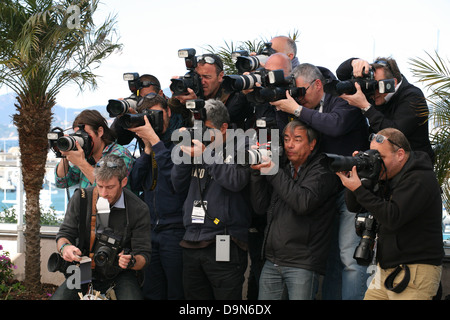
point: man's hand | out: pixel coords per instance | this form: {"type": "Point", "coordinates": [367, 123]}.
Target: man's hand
{"type": "Point", "coordinates": [190, 96]}
{"type": "Point", "coordinates": [288, 105]}
{"type": "Point", "coordinates": [358, 99]}
{"type": "Point", "coordinates": [147, 134]}
{"type": "Point", "coordinates": [350, 180]}
{"type": "Point", "coordinates": [71, 253]}
{"type": "Point", "coordinates": [194, 151]}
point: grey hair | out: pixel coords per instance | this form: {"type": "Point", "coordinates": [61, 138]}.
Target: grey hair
{"type": "Point", "coordinates": [110, 166]}
{"type": "Point", "coordinates": [308, 72]}
{"type": "Point", "coordinates": [216, 112]}
{"type": "Point", "coordinates": [310, 132]}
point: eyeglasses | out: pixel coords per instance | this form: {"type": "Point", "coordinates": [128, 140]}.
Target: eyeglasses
{"type": "Point", "coordinates": [310, 84]}
{"type": "Point", "coordinates": [380, 139]}
{"type": "Point", "coordinates": [109, 164]}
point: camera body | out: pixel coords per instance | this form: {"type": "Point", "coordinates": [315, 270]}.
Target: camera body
{"type": "Point", "coordinates": [368, 165]}
{"type": "Point", "coordinates": [132, 120]}
{"type": "Point", "coordinates": [106, 248]}
{"type": "Point", "coordinates": [191, 79]}
{"type": "Point", "coordinates": [366, 227]}
{"type": "Point", "coordinates": [276, 87]}
{"type": "Point", "coordinates": [367, 83]}
{"type": "Point", "coordinates": [59, 142]}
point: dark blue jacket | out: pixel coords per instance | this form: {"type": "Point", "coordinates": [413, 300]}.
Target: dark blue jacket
{"type": "Point", "coordinates": [343, 128]}
{"type": "Point", "coordinates": [164, 203]}
{"type": "Point", "coordinates": [224, 186]}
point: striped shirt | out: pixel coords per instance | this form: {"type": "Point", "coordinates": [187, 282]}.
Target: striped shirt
{"type": "Point", "coordinates": [75, 176]}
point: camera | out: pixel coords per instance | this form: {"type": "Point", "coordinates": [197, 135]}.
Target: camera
{"type": "Point", "coordinates": [197, 106]}
{"type": "Point", "coordinates": [57, 263]}
{"type": "Point", "coordinates": [131, 120]}
{"type": "Point", "coordinates": [368, 85]}
{"type": "Point", "coordinates": [366, 227]}
{"type": "Point", "coordinates": [276, 86]}
{"type": "Point", "coordinates": [59, 142]}
{"type": "Point", "coordinates": [255, 156]}
{"type": "Point", "coordinates": [368, 165]}
{"type": "Point", "coordinates": [233, 82]}
{"type": "Point", "coordinates": [106, 248]}
{"type": "Point", "coordinates": [191, 79]}
{"type": "Point", "coordinates": [247, 63]}
{"type": "Point", "coordinates": [116, 107]}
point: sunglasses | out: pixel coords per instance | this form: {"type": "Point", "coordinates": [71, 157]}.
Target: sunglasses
{"type": "Point", "coordinates": [380, 139]}
{"type": "Point", "coordinates": [208, 59]}
{"type": "Point", "coordinates": [383, 63]}
{"type": "Point", "coordinates": [109, 164]}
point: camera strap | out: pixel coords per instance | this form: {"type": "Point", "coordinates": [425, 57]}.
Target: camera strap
{"type": "Point", "coordinates": [154, 173]}
{"type": "Point", "coordinates": [93, 225]}
{"type": "Point", "coordinates": [389, 282]}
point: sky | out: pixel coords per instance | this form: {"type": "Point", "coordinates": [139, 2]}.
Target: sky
{"type": "Point", "coordinates": [330, 32]}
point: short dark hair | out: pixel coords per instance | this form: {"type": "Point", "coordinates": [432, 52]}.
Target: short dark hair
{"type": "Point", "coordinates": [94, 119]}
{"type": "Point", "coordinates": [151, 79]}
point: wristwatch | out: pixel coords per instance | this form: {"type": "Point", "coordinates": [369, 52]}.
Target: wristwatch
{"type": "Point", "coordinates": [364, 110]}
{"type": "Point", "coordinates": [297, 111]}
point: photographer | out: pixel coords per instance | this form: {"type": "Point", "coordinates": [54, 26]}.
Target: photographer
{"type": "Point", "coordinates": [287, 46]}
{"type": "Point", "coordinates": [149, 86]}
{"type": "Point", "coordinates": [300, 204]}
{"type": "Point", "coordinates": [343, 129]}
{"type": "Point", "coordinates": [216, 213]}
{"type": "Point", "coordinates": [126, 216]}
{"type": "Point", "coordinates": [151, 174]}
{"type": "Point", "coordinates": [103, 143]}
{"type": "Point", "coordinates": [210, 69]}
{"type": "Point", "coordinates": [408, 210]}
{"type": "Point", "coordinates": [405, 109]}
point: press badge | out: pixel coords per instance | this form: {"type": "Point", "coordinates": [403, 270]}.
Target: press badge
{"type": "Point", "coordinates": [198, 212]}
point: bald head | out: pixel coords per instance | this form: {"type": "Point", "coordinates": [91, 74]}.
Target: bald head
{"type": "Point", "coordinates": [284, 45]}
{"type": "Point", "coordinates": [279, 61]}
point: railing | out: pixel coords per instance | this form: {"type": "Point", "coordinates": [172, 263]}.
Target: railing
{"type": "Point", "coordinates": [13, 196]}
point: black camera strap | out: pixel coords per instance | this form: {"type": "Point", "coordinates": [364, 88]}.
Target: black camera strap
{"type": "Point", "coordinates": [389, 282]}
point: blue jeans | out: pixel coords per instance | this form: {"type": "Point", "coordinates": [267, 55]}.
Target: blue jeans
{"type": "Point", "coordinates": [344, 279]}
{"type": "Point", "coordinates": [126, 287]}
{"type": "Point", "coordinates": [299, 284]}
{"type": "Point", "coordinates": [164, 274]}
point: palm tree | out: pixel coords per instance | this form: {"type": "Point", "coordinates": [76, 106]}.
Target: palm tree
{"type": "Point", "coordinates": [224, 52]}
{"type": "Point", "coordinates": [435, 74]}
{"type": "Point", "coordinates": [44, 45]}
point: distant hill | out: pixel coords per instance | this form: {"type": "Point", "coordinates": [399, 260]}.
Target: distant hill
{"type": "Point", "coordinates": [60, 115]}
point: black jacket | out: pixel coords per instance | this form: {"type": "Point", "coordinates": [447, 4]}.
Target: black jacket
{"type": "Point", "coordinates": [406, 111]}
{"type": "Point", "coordinates": [409, 213]}
{"type": "Point", "coordinates": [299, 213]}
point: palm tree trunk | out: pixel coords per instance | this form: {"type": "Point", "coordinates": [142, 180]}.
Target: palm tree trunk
{"type": "Point", "coordinates": [34, 117]}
